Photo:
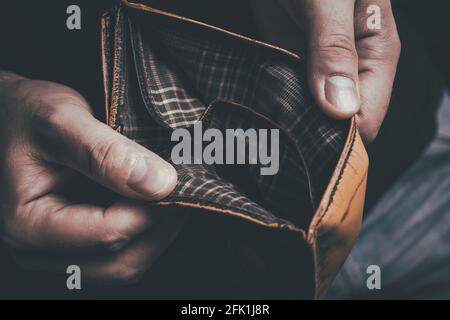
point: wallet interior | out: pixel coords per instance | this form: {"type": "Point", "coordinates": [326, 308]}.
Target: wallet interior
{"type": "Point", "coordinates": [248, 235]}
{"type": "Point", "coordinates": [168, 73]}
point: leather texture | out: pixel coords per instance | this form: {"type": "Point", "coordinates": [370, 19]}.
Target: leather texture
{"type": "Point", "coordinates": [336, 222]}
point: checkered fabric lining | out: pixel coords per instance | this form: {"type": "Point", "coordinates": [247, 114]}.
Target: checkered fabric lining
{"type": "Point", "coordinates": [180, 73]}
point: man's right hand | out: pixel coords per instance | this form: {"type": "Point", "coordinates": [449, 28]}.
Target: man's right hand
{"type": "Point", "coordinates": [47, 136]}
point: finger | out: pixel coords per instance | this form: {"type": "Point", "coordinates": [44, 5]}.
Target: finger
{"type": "Point", "coordinates": [378, 51]}
{"type": "Point", "coordinates": [73, 137]}
{"type": "Point", "coordinates": [131, 264]}
{"type": "Point", "coordinates": [50, 222]}
{"type": "Point", "coordinates": [122, 267]}
{"type": "Point", "coordinates": [332, 57]}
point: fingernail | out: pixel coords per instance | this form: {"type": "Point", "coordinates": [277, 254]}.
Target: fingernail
{"type": "Point", "coordinates": [150, 178]}
{"type": "Point", "coordinates": [342, 94]}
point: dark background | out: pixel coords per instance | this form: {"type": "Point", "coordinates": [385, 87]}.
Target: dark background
{"type": "Point", "coordinates": [34, 42]}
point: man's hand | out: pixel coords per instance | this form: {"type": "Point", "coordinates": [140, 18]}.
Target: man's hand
{"type": "Point", "coordinates": [47, 136]}
{"type": "Point", "coordinates": [351, 68]}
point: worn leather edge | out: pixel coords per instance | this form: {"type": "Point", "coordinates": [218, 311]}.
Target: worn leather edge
{"type": "Point", "coordinates": [336, 224]}
{"type": "Point", "coordinates": [105, 57]}
{"type": "Point", "coordinates": [233, 213]}
{"type": "Point", "coordinates": [112, 80]}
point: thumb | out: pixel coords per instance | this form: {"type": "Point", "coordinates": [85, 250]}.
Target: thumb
{"type": "Point", "coordinates": [332, 56]}
{"type": "Point", "coordinates": [72, 137]}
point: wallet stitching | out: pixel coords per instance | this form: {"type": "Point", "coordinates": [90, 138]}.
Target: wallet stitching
{"type": "Point", "coordinates": [214, 207]}
{"type": "Point", "coordinates": [341, 173]}
{"type": "Point", "coordinates": [116, 73]}
{"type": "Point", "coordinates": [347, 152]}
{"type": "Point", "coordinates": [331, 198]}
{"type": "Point", "coordinates": [106, 75]}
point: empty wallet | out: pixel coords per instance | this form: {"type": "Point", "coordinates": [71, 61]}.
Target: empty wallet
{"type": "Point", "coordinates": [249, 235]}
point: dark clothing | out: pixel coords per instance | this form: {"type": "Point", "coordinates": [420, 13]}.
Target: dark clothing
{"type": "Point", "coordinates": [36, 43]}
{"type": "Point", "coordinates": [407, 232]}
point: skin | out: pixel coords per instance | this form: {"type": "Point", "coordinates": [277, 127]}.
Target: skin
{"type": "Point", "coordinates": [339, 43]}
{"type": "Point", "coordinates": [49, 136]}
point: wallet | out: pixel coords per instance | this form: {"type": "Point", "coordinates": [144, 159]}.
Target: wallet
{"type": "Point", "coordinates": [283, 235]}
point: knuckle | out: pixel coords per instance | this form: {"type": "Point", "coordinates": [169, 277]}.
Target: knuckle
{"type": "Point", "coordinates": [45, 117]}
{"type": "Point", "coordinates": [386, 46]}
{"type": "Point", "coordinates": [338, 46]}
{"type": "Point", "coordinates": [114, 241]}
{"type": "Point", "coordinates": [125, 274]}
{"type": "Point", "coordinates": [52, 112]}
{"type": "Point", "coordinates": [106, 156]}
{"type": "Point", "coordinates": [391, 42]}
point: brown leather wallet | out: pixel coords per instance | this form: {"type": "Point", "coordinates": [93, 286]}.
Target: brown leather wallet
{"type": "Point", "coordinates": [293, 230]}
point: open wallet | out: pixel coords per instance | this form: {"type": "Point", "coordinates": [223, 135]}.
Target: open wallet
{"type": "Point", "coordinates": [248, 235]}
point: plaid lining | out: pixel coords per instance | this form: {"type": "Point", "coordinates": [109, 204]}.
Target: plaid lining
{"type": "Point", "coordinates": [180, 71]}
